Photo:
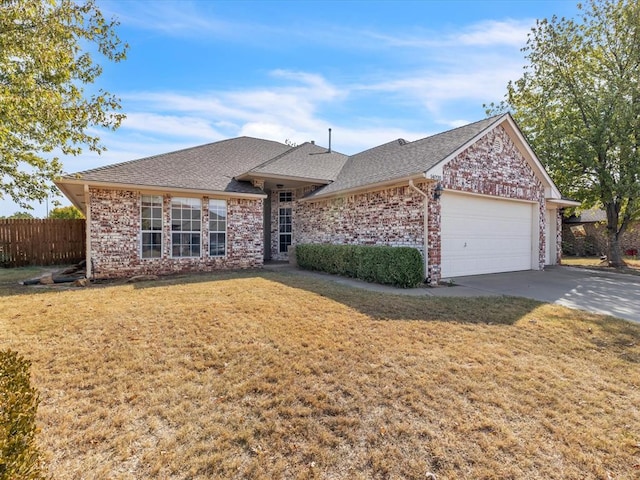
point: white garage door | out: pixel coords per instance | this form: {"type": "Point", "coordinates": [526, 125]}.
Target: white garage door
{"type": "Point", "coordinates": [484, 235]}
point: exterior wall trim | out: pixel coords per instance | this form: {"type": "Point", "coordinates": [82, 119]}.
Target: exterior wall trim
{"type": "Point", "coordinates": [371, 187]}
{"type": "Point", "coordinates": [425, 222]}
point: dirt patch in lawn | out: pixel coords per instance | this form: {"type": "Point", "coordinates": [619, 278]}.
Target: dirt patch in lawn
{"type": "Point", "coordinates": [264, 375]}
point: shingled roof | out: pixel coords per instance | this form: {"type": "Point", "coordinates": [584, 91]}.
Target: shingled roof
{"type": "Point", "coordinates": [306, 161]}
{"type": "Point", "coordinates": [401, 159]}
{"type": "Point", "coordinates": [210, 167]}
{"type": "Point", "coordinates": [228, 166]}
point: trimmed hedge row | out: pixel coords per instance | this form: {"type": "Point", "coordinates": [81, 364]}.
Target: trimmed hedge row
{"type": "Point", "coordinates": [398, 266]}
{"type": "Point", "coordinates": [19, 455]}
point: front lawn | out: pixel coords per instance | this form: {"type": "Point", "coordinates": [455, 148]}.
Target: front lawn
{"type": "Point", "coordinates": [632, 262]}
{"type": "Point", "coordinates": [269, 375]}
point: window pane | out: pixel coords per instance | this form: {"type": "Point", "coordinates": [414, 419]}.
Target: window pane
{"type": "Point", "coordinates": [151, 221]}
{"type": "Point", "coordinates": [217, 227]}
{"type": "Point", "coordinates": [285, 241]}
{"type": "Point", "coordinates": [285, 196]}
{"type": "Point", "coordinates": [216, 244]}
{"type": "Point", "coordinates": [186, 223]}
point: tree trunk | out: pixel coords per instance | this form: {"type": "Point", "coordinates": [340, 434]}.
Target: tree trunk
{"type": "Point", "coordinates": [614, 255]}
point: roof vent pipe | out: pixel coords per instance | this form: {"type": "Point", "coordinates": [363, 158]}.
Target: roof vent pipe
{"type": "Point", "coordinates": [329, 141]}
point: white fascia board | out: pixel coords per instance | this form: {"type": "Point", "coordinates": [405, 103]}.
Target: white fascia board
{"type": "Point", "coordinates": [363, 188]}
{"type": "Point", "coordinates": [158, 189]}
{"type": "Point", "coordinates": [561, 202]}
{"type": "Point", "coordinates": [246, 176]}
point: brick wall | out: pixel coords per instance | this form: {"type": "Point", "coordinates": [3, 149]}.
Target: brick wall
{"type": "Point", "coordinates": [392, 216]}
{"type": "Point", "coordinates": [115, 237]}
{"type": "Point", "coordinates": [484, 169]}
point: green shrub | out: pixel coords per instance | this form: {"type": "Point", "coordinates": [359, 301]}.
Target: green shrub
{"type": "Point", "coordinates": [398, 266]}
{"type": "Point", "coordinates": [19, 455]}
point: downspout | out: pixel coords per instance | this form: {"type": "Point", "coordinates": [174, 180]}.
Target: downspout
{"type": "Point", "coordinates": [87, 200]}
{"type": "Point", "coordinates": [426, 230]}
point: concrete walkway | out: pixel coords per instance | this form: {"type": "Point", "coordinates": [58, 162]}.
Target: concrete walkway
{"type": "Point", "coordinates": [595, 291]}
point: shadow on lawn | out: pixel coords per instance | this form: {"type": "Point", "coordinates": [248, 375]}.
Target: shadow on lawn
{"type": "Point", "coordinates": [377, 305]}
{"type": "Point", "coordinates": [616, 336]}
{"type": "Point", "coordinates": [390, 306]}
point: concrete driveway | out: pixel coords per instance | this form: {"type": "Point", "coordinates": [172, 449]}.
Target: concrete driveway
{"type": "Point", "coordinates": [591, 290]}
{"type": "Point", "coordinates": [595, 291]}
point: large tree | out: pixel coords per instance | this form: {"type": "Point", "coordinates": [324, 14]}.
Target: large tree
{"type": "Point", "coordinates": [47, 50]}
{"type": "Point", "coordinates": [578, 102]}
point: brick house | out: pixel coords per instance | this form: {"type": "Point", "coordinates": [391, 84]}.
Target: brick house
{"type": "Point", "coordinates": [473, 200]}
{"type": "Point", "coordinates": [585, 234]}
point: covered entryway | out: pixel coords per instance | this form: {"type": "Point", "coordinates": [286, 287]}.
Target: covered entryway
{"type": "Point", "coordinates": [486, 235]}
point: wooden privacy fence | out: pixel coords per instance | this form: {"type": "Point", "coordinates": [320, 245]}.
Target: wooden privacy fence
{"type": "Point", "coordinates": [41, 242]}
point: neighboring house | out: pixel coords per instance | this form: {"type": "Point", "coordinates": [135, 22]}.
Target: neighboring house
{"type": "Point", "coordinates": [585, 235]}
{"type": "Point", "coordinates": [473, 200]}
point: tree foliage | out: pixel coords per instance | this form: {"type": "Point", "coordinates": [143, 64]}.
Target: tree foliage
{"type": "Point", "coordinates": [69, 212]}
{"type": "Point", "coordinates": [46, 63]}
{"type": "Point", "coordinates": [19, 215]}
{"type": "Point", "coordinates": [20, 457]}
{"type": "Point", "coordinates": [578, 102]}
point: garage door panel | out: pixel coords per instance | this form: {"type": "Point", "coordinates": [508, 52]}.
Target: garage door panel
{"type": "Point", "coordinates": [483, 235]}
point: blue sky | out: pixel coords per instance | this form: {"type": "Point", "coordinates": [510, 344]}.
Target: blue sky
{"type": "Point", "coordinates": [373, 71]}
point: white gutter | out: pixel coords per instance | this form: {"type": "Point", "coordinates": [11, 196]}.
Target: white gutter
{"type": "Point", "coordinates": [87, 229]}
{"type": "Point", "coordinates": [134, 187]}
{"type": "Point", "coordinates": [426, 228]}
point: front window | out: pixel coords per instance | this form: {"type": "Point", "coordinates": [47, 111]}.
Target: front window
{"type": "Point", "coordinates": [217, 228]}
{"type": "Point", "coordinates": [286, 197]}
{"type": "Point", "coordinates": [186, 214]}
{"type": "Point", "coordinates": [151, 226]}
{"type": "Point", "coordinates": [284, 226]}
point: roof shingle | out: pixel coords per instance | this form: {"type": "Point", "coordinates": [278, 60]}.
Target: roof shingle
{"type": "Point", "coordinates": [400, 159]}
{"type": "Point", "coordinates": [209, 167]}
{"type": "Point", "coordinates": [305, 161]}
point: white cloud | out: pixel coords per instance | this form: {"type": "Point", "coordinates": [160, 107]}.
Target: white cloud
{"type": "Point", "coordinates": [512, 33]}
{"type": "Point", "coordinates": [171, 126]}
{"type": "Point", "coordinates": [299, 107]}
{"type": "Point", "coordinates": [183, 19]}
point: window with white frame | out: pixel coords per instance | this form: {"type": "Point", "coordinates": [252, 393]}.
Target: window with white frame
{"type": "Point", "coordinates": [285, 228]}
{"type": "Point", "coordinates": [217, 228]}
{"type": "Point", "coordinates": [285, 197]}
{"type": "Point", "coordinates": [186, 220]}
{"type": "Point", "coordinates": [151, 226]}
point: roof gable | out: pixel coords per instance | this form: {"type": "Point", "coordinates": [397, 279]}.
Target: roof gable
{"type": "Point", "coordinates": [308, 161]}
{"type": "Point", "coordinates": [400, 159]}
{"type": "Point", "coordinates": [508, 123]}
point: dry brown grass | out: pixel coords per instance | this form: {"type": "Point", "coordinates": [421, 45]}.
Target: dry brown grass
{"type": "Point", "coordinates": [260, 375]}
